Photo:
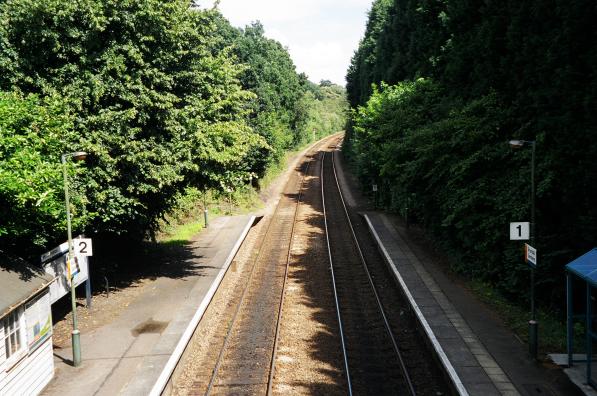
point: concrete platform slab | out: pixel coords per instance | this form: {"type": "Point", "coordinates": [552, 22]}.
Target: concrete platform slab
{"type": "Point", "coordinates": [120, 359]}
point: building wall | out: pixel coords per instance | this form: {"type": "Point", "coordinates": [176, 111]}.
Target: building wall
{"type": "Point", "coordinates": [35, 369]}
{"type": "Point", "coordinates": [30, 375]}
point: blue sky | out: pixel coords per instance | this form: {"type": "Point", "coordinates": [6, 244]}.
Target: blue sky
{"type": "Point", "coordinates": [321, 36]}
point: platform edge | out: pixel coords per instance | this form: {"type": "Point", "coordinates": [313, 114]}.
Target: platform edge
{"type": "Point", "coordinates": [456, 381]}
{"type": "Point", "coordinates": [166, 373]}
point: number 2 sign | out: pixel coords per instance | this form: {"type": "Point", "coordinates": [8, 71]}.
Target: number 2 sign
{"type": "Point", "coordinates": [83, 246]}
{"type": "Point", "coordinates": [519, 231]}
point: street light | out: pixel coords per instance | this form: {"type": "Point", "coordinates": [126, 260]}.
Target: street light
{"type": "Point", "coordinates": [76, 156]}
{"type": "Point", "coordinates": [533, 325]}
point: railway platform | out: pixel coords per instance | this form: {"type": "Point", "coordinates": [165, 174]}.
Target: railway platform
{"type": "Point", "coordinates": [481, 356]}
{"type": "Point", "coordinates": [134, 352]}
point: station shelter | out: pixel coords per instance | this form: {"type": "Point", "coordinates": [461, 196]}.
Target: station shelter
{"type": "Point", "coordinates": [26, 354]}
{"type": "Point", "coordinates": [581, 274]}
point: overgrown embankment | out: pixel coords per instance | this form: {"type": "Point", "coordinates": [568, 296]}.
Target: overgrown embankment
{"type": "Point", "coordinates": [170, 101]}
{"type": "Point", "coordinates": [438, 88]}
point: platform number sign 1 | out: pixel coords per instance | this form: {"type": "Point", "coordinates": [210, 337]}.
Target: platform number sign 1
{"type": "Point", "coordinates": [83, 247]}
{"type": "Point", "coordinates": [519, 231]}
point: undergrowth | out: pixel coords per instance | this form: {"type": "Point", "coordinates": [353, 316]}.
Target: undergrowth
{"type": "Point", "coordinates": [187, 219]}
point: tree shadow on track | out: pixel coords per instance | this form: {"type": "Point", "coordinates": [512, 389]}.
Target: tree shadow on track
{"type": "Point", "coordinates": [309, 273]}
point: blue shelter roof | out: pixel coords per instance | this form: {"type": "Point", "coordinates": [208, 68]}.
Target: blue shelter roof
{"type": "Point", "coordinates": [585, 267]}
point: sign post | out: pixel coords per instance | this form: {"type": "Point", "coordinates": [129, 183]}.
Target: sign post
{"type": "Point", "coordinates": [84, 248]}
{"type": "Point", "coordinates": [533, 325]}
{"type": "Point", "coordinates": [375, 196]}
{"type": "Point", "coordinates": [521, 231]}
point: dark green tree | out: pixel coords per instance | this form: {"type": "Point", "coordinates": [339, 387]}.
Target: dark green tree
{"type": "Point", "coordinates": [156, 104]}
{"type": "Point", "coordinates": [500, 70]}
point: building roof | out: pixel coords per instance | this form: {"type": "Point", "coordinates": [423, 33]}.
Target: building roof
{"type": "Point", "coordinates": [585, 267]}
{"type": "Point", "coordinates": [19, 281]}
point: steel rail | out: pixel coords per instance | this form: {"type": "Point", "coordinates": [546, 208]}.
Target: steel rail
{"type": "Point", "coordinates": [372, 284]}
{"type": "Point", "coordinates": [373, 288]}
{"type": "Point", "coordinates": [246, 287]}
{"type": "Point", "coordinates": [338, 314]}
{"type": "Point", "coordinates": [270, 380]}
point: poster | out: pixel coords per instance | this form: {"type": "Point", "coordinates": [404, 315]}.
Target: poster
{"type": "Point", "coordinates": [38, 317]}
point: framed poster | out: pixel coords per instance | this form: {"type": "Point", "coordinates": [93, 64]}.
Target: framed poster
{"type": "Point", "coordinates": [38, 317]}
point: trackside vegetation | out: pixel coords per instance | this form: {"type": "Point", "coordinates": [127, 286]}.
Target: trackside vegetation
{"type": "Point", "coordinates": [170, 101]}
{"type": "Point", "coordinates": [438, 88]}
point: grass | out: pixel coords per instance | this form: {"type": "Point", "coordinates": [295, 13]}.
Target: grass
{"type": "Point", "coordinates": [552, 332]}
{"type": "Point", "coordinates": [277, 168]}
{"type": "Point", "coordinates": [183, 224]}
{"type": "Point", "coordinates": [179, 230]}
{"type": "Point", "coordinates": [182, 233]}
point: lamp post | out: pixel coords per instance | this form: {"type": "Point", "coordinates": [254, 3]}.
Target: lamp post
{"type": "Point", "coordinates": [205, 215]}
{"type": "Point", "coordinates": [76, 341]}
{"type": "Point", "coordinates": [533, 325]}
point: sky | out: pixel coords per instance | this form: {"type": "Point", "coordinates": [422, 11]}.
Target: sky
{"type": "Point", "coordinates": [321, 36]}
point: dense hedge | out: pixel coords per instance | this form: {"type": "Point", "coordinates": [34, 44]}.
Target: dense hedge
{"type": "Point", "coordinates": [492, 71]}
{"type": "Point", "coordinates": [164, 97]}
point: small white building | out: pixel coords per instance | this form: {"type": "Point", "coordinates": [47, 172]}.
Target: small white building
{"type": "Point", "coordinates": [26, 355]}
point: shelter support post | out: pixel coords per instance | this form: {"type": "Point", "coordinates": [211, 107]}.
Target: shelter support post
{"type": "Point", "coordinates": [589, 345]}
{"type": "Point", "coordinates": [88, 291]}
{"type": "Point", "coordinates": [569, 321]}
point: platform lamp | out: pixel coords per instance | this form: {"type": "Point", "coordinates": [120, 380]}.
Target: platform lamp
{"type": "Point", "coordinates": [533, 325]}
{"type": "Point", "coordinates": [76, 340]}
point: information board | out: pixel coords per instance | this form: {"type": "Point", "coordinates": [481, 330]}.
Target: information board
{"type": "Point", "coordinates": [530, 254]}
{"type": "Point", "coordinates": [38, 316]}
{"type": "Point", "coordinates": [54, 263]}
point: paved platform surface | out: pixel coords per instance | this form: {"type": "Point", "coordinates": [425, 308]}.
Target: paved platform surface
{"type": "Point", "coordinates": [128, 355]}
{"type": "Point", "coordinates": [577, 372]}
{"type": "Point", "coordinates": [485, 357]}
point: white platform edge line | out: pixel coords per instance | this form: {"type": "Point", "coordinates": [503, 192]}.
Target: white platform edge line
{"type": "Point", "coordinates": [436, 345]}
{"type": "Point", "coordinates": [166, 373]}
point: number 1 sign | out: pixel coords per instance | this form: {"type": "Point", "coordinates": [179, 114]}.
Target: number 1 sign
{"type": "Point", "coordinates": [519, 231]}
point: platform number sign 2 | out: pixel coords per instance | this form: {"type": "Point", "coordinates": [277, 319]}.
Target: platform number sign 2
{"type": "Point", "coordinates": [83, 247]}
{"type": "Point", "coordinates": [519, 231]}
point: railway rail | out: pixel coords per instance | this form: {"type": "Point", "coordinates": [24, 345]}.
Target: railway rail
{"type": "Point", "coordinates": [370, 348]}
{"type": "Point", "coordinates": [250, 342]}
{"type": "Point", "coordinates": [244, 362]}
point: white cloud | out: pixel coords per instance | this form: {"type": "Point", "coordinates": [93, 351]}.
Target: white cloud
{"type": "Point", "coordinates": [240, 12]}
{"type": "Point", "coordinates": [321, 35]}
{"type": "Point", "coordinates": [324, 59]}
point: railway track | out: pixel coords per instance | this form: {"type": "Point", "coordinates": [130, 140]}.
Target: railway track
{"type": "Point", "coordinates": [373, 362]}
{"type": "Point", "coordinates": [246, 362]}
{"type": "Point", "coordinates": [371, 317]}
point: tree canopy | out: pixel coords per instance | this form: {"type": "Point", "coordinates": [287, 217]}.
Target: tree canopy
{"type": "Point", "coordinates": [453, 81]}
{"type": "Point", "coordinates": [164, 96]}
